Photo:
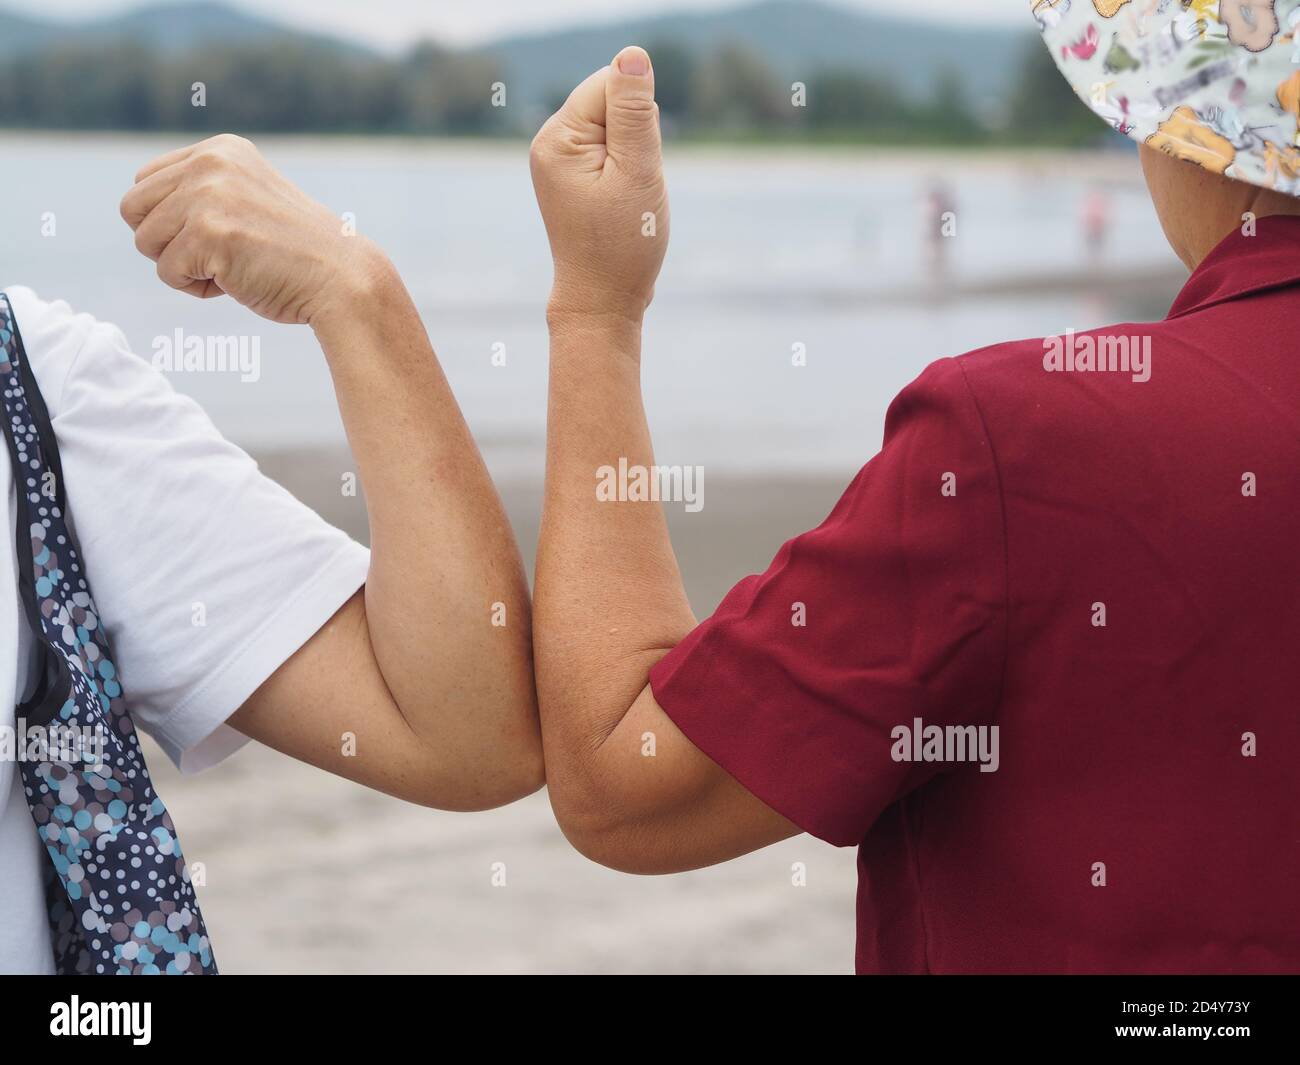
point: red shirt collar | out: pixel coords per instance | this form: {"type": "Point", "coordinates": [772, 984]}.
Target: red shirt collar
{"type": "Point", "coordinates": [1240, 265]}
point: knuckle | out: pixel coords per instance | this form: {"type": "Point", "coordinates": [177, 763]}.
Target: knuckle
{"type": "Point", "coordinates": [638, 105]}
{"type": "Point", "coordinates": [208, 161]}
{"type": "Point", "coordinates": [211, 226]}
{"type": "Point", "coordinates": [206, 189]}
{"type": "Point", "coordinates": [543, 143]}
{"type": "Point", "coordinates": [233, 145]}
{"type": "Point", "coordinates": [169, 277]}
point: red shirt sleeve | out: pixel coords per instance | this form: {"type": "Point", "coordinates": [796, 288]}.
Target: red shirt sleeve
{"type": "Point", "coordinates": [893, 609]}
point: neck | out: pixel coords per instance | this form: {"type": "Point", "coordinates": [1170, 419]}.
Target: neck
{"type": "Point", "coordinates": [1198, 240]}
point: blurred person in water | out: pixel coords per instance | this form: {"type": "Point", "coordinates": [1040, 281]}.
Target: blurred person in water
{"type": "Point", "coordinates": [938, 225]}
{"type": "Point", "coordinates": [1036, 665]}
{"type": "Point", "coordinates": [1096, 223]}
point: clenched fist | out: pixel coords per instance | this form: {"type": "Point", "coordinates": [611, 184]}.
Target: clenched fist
{"type": "Point", "coordinates": [218, 218]}
{"type": "Point", "coordinates": [598, 170]}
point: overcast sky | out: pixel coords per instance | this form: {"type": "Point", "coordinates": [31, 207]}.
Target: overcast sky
{"type": "Point", "coordinates": [397, 22]}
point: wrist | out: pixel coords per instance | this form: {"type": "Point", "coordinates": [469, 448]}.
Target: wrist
{"type": "Point", "coordinates": [364, 281]}
{"type": "Point", "coordinates": [594, 334]}
{"type": "Point", "coordinates": [584, 303]}
{"type": "Point", "coordinates": [614, 320]}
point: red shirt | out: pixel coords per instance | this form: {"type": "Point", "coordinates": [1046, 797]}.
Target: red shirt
{"type": "Point", "coordinates": [1107, 571]}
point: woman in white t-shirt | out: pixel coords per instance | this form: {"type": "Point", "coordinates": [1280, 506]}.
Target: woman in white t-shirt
{"type": "Point", "coordinates": [307, 636]}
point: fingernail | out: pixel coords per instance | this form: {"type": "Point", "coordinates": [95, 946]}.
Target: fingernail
{"type": "Point", "coordinates": [634, 62]}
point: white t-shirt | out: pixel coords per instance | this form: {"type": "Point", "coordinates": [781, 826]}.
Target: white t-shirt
{"type": "Point", "coordinates": [168, 515]}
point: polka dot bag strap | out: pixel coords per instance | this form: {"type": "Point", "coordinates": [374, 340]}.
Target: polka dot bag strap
{"type": "Point", "coordinates": [119, 892]}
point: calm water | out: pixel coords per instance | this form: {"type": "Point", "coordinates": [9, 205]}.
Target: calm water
{"type": "Point", "coordinates": [770, 249]}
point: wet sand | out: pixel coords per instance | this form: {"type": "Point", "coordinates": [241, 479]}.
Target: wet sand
{"type": "Point", "coordinates": [310, 874]}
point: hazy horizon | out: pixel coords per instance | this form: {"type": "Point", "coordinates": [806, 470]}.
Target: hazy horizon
{"type": "Point", "coordinates": [398, 23]}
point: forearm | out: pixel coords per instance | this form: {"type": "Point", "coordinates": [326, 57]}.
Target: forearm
{"type": "Point", "coordinates": [610, 600]}
{"type": "Point", "coordinates": [444, 563]}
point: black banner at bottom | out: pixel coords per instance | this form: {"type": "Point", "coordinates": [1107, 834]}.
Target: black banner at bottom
{"type": "Point", "coordinates": [1232, 1015]}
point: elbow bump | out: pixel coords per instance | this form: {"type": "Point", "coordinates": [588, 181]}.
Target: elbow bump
{"type": "Point", "coordinates": [476, 792]}
{"type": "Point", "coordinates": [485, 780]}
{"type": "Point", "coordinates": [619, 843]}
{"type": "Point", "coordinates": [507, 778]}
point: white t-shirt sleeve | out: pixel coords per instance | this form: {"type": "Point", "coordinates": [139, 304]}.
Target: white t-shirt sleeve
{"type": "Point", "coordinates": [207, 574]}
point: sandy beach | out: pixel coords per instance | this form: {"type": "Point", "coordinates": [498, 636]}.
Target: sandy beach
{"type": "Point", "coordinates": [310, 874]}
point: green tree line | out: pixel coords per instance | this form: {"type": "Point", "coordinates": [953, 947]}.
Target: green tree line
{"type": "Point", "coordinates": [290, 87]}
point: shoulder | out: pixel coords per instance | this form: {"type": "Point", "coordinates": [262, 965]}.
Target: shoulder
{"type": "Point", "coordinates": [1021, 389]}
{"type": "Point", "coordinates": [54, 337]}
{"type": "Point", "coordinates": [940, 395]}
{"type": "Point", "coordinates": [1011, 359]}
{"type": "Point", "coordinates": [1031, 365]}
{"type": "Point", "coordinates": [952, 381]}
{"type": "Point", "coordinates": [1042, 397]}
{"type": "Point", "coordinates": [1058, 370]}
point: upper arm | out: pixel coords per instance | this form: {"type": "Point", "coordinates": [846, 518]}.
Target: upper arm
{"type": "Point", "coordinates": [664, 806]}
{"type": "Point", "coordinates": [218, 589]}
{"type": "Point", "coordinates": [233, 608]}
{"type": "Point", "coordinates": [328, 705]}
{"type": "Point", "coordinates": [207, 575]}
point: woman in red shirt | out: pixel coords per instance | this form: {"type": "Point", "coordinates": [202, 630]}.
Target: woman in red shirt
{"type": "Point", "coordinates": [1036, 664]}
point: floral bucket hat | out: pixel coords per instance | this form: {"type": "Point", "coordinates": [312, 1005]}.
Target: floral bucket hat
{"type": "Point", "coordinates": [1214, 82]}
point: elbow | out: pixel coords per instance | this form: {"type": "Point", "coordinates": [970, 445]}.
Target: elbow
{"type": "Point", "coordinates": [524, 775]}
{"type": "Point", "coordinates": [608, 836]}
{"type": "Point", "coordinates": [479, 766]}
{"type": "Point", "coordinates": [494, 758]}
{"type": "Point", "coordinates": [488, 779]}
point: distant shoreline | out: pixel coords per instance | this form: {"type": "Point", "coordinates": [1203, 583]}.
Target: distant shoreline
{"type": "Point", "coordinates": [1101, 159]}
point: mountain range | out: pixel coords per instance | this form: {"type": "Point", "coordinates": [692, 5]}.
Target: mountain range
{"type": "Point", "coordinates": [796, 38]}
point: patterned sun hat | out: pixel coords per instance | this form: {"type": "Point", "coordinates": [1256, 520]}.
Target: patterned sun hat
{"type": "Point", "coordinates": [1214, 82]}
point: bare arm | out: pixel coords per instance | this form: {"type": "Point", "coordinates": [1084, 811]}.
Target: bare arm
{"type": "Point", "coordinates": [610, 601]}
{"type": "Point", "coordinates": [440, 700]}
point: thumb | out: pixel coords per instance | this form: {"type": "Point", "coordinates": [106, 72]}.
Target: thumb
{"type": "Point", "coordinates": [631, 114]}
